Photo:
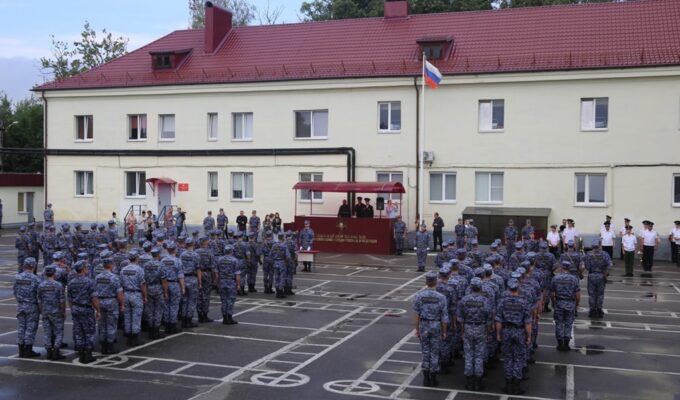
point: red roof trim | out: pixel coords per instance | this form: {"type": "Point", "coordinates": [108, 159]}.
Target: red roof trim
{"type": "Point", "coordinates": [161, 180]}
{"type": "Point", "coordinates": [21, 180]}
{"type": "Point", "coordinates": [354, 187]}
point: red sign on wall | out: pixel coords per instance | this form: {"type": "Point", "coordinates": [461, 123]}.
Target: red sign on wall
{"type": "Point", "coordinates": [183, 187]}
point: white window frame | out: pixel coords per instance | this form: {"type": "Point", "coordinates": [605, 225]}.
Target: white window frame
{"type": "Point", "coordinates": [489, 128]}
{"type": "Point", "coordinates": [587, 202]}
{"type": "Point", "coordinates": [213, 129]}
{"type": "Point", "coordinates": [312, 136]}
{"type": "Point", "coordinates": [137, 180]}
{"type": "Point", "coordinates": [592, 114]}
{"type": "Point", "coordinates": [389, 117]}
{"type": "Point", "coordinates": [312, 176]}
{"type": "Point", "coordinates": [242, 177]}
{"type": "Point", "coordinates": [444, 174]}
{"type": "Point", "coordinates": [217, 183]}
{"type": "Point", "coordinates": [23, 203]}
{"type": "Point", "coordinates": [139, 133]}
{"type": "Point", "coordinates": [87, 177]}
{"type": "Point", "coordinates": [88, 119]}
{"type": "Point", "coordinates": [161, 118]}
{"type": "Point", "coordinates": [243, 116]}
{"type": "Point", "coordinates": [673, 183]}
{"type": "Point", "coordinates": [395, 197]}
{"type": "Point", "coordinates": [490, 173]}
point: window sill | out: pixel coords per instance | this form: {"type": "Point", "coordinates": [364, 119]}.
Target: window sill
{"type": "Point", "coordinates": [443, 201]}
{"type": "Point", "coordinates": [83, 196]}
{"type": "Point", "coordinates": [135, 197]}
{"type": "Point", "coordinates": [595, 130]}
{"type": "Point", "coordinates": [491, 130]}
{"type": "Point", "coordinates": [312, 138]}
{"type": "Point", "coordinates": [241, 140]}
{"type": "Point", "coordinates": [675, 205]}
{"type": "Point", "coordinates": [84, 141]}
{"type": "Point", "coordinates": [488, 202]}
{"type": "Point", "coordinates": [591, 205]}
{"type": "Point", "coordinates": [166, 140]}
{"type": "Point", "coordinates": [313, 201]}
{"type": "Point", "coordinates": [213, 198]}
{"type": "Point", "coordinates": [389, 132]}
{"type": "Point", "coordinates": [242, 200]}
{"type": "Point", "coordinates": [22, 212]}
{"type": "Point", "coordinates": [213, 139]}
{"type": "Point", "coordinates": [137, 140]}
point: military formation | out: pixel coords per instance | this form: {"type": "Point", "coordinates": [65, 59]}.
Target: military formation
{"type": "Point", "coordinates": [110, 285]}
{"type": "Point", "coordinates": [485, 306]}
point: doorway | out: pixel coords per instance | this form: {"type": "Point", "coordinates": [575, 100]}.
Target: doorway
{"type": "Point", "coordinates": [164, 196]}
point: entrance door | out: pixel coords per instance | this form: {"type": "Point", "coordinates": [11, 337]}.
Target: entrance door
{"type": "Point", "coordinates": [164, 196]}
{"type": "Point", "coordinates": [29, 206]}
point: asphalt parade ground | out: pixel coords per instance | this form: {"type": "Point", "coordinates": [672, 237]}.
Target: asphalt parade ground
{"type": "Point", "coordinates": [348, 334]}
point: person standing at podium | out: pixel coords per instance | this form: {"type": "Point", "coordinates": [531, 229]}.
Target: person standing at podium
{"type": "Point", "coordinates": [306, 244]}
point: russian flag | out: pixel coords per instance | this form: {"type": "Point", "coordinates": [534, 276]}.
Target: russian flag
{"type": "Point", "coordinates": [432, 75]}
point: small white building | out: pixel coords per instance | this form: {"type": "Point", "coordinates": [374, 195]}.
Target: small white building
{"type": "Point", "coordinates": [22, 198]}
{"type": "Point", "coordinates": [574, 110]}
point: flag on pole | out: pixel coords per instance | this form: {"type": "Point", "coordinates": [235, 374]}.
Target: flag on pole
{"type": "Point", "coordinates": [432, 76]}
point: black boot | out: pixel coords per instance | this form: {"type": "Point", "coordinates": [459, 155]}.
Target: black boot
{"type": "Point", "coordinates": [509, 387]}
{"type": "Point", "coordinates": [469, 383]}
{"type": "Point", "coordinates": [427, 382]}
{"type": "Point", "coordinates": [111, 348]}
{"type": "Point", "coordinates": [600, 313]}
{"type": "Point", "coordinates": [145, 326]}
{"type": "Point", "coordinates": [433, 379]}
{"type": "Point", "coordinates": [152, 333]}
{"type": "Point", "coordinates": [189, 323]}
{"type": "Point", "coordinates": [565, 344]}
{"type": "Point", "coordinates": [206, 318]}
{"type": "Point", "coordinates": [63, 345]}
{"type": "Point", "coordinates": [159, 334]}
{"type": "Point", "coordinates": [289, 291]}
{"type": "Point", "coordinates": [28, 351]}
{"type": "Point", "coordinates": [591, 313]}
{"type": "Point", "coordinates": [201, 317]}
{"type": "Point", "coordinates": [56, 354]}
{"type": "Point", "coordinates": [21, 351]}
{"type": "Point", "coordinates": [104, 347]}
{"type": "Point", "coordinates": [560, 345]}
{"type": "Point", "coordinates": [243, 290]}
{"type": "Point", "coordinates": [525, 373]}
{"type": "Point", "coordinates": [229, 320]}
{"type": "Point", "coordinates": [518, 390]}
{"type": "Point", "coordinates": [225, 320]}
{"type": "Point", "coordinates": [135, 340]}
{"type": "Point", "coordinates": [81, 356]}
{"type": "Point", "coordinates": [87, 357]}
{"type": "Point", "coordinates": [50, 351]}
{"type": "Point", "coordinates": [128, 341]}
{"type": "Point", "coordinates": [479, 385]}
{"type": "Point", "coordinates": [444, 368]}
{"type": "Point", "coordinates": [175, 328]}
{"type": "Point", "coordinates": [251, 289]}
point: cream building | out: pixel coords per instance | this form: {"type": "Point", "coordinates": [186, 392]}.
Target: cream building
{"type": "Point", "coordinates": [21, 196]}
{"type": "Point", "coordinates": [583, 125]}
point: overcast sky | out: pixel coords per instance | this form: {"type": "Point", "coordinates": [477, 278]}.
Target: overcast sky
{"type": "Point", "coordinates": [26, 26]}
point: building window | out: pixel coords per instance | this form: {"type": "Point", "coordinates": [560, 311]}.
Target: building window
{"type": "Point", "coordinates": [442, 186]}
{"type": "Point", "coordinates": [491, 115]}
{"type": "Point", "coordinates": [137, 130]}
{"type": "Point", "coordinates": [389, 114]}
{"type": "Point", "coordinates": [21, 202]}
{"type": "Point", "coordinates": [489, 187]}
{"type": "Point", "coordinates": [305, 195]}
{"type": "Point", "coordinates": [590, 189]}
{"type": "Point", "coordinates": [212, 126]}
{"type": "Point", "coordinates": [84, 183]}
{"type": "Point", "coordinates": [167, 127]}
{"type": "Point", "coordinates": [243, 126]}
{"type": "Point", "coordinates": [390, 177]}
{"type": "Point", "coordinates": [676, 190]}
{"type": "Point", "coordinates": [242, 186]}
{"type": "Point", "coordinates": [594, 113]}
{"type": "Point", "coordinates": [311, 124]}
{"type": "Point", "coordinates": [84, 127]}
{"type": "Point", "coordinates": [162, 61]}
{"type": "Point", "coordinates": [433, 51]}
{"type": "Point", "coordinates": [135, 184]}
{"type": "Point", "coordinates": [213, 191]}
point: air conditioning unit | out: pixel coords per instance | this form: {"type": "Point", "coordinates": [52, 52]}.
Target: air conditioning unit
{"type": "Point", "coordinates": [428, 156]}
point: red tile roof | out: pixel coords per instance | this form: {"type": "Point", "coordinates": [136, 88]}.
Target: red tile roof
{"type": "Point", "coordinates": [640, 33]}
{"type": "Point", "coordinates": [21, 180]}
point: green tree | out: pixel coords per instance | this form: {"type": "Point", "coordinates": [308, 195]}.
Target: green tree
{"type": "Point", "coordinates": [243, 11]}
{"type": "Point", "coordinates": [87, 53]}
{"type": "Point", "coordinates": [536, 3]}
{"type": "Point", "coordinates": [26, 131]}
{"type": "Point", "coordinates": [319, 10]}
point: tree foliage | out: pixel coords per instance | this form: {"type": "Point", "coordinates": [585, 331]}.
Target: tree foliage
{"type": "Point", "coordinates": [244, 12]}
{"type": "Point", "coordinates": [84, 54]}
{"type": "Point", "coordinates": [27, 132]}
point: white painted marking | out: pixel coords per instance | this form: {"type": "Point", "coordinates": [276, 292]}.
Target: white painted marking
{"type": "Point", "coordinates": [570, 383]}
{"type": "Point", "coordinates": [641, 371]}
{"type": "Point", "coordinates": [7, 333]}
{"type": "Point", "coordinates": [419, 277]}
{"type": "Point", "coordinates": [182, 368]}
{"type": "Point", "coordinates": [356, 272]}
{"type": "Point", "coordinates": [236, 337]}
{"type": "Point", "coordinates": [392, 372]}
{"type": "Point", "coordinates": [675, 287]}
{"type": "Point", "coordinates": [452, 395]}
{"type": "Point", "coordinates": [313, 287]}
{"type": "Point", "coordinates": [406, 383]}
{"type": "Point", "coordinates": [133, 366]}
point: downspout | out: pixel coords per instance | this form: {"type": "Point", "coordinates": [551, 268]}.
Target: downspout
{"type": "Point", "coordinates": [415, 85]}
{"type": "Point", "coordinates": [44, 153]}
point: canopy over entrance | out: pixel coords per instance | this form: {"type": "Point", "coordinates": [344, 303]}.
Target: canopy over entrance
{"type": "Point", "coordinates": [161, 180]}
{"type": "Point", "coordinates": [351, 187]}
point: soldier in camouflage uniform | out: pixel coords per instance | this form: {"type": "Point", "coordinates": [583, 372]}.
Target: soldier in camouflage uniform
{"type": "Point", "coordinates": [53, 309]}
{"type": "Point", "coordinates": [280, 258]}
{"type": "Point", "coordinates": [253, 264]}
{"type": "Point", "coordinates": [422, 246]}
{"type": "Point", "coordinates": [432, 319]}
{"type": "Point", "coordinates": [459, 229]}
{"type": "Point", "coordinates": [307, 244]}
{"type": "Point", "coordinates": [291, 264]}
{"type": "Point", "coordinates": [597, 263]}
{"type": "Point", "coordinates": [110, 293]}
{"type": "Point", "coordinates": [23, 245]}
{"type": "Point", "coordinates": [208, 279]}
{"type": "Point", "coordinates": [510, 235]}
{"type": "Point", "coordinates": [574, 258]}
{"type": "Point", "coordinates": [474, 314]}
{"type": "Point", "coordinates": [242, 254]}
{"type": "Point", "coordinates": [84, 310]}
{"type": "Point", "coordinates": [566, 295]}
{"type": "Point", "coordinates": [172, 279]}
{"type": "Point", "coordinates": [513, 330]}
{"type": "Point", "coordinates": [193, 283]}
{"type": "Point", "coordinates": [399, 235]}
{"type": "Point", "coordinates": [135, 292]}
{"type": "Point", "coordinates": [229, 278]}
{"type": "Point", "coordinates": [545, 262]}
{"type": "Point", "coordinates": [451, 294]}
{"type": "Point", "coordinates": [267, 262]}
{"type": "Point", "coordinates": [26, 294]}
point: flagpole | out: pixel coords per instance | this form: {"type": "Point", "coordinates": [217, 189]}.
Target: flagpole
{"type": "Point", "coordinates": [421, 146]}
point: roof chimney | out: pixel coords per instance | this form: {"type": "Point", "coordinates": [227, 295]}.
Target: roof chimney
{"type": "Point", "coordinates": [396, 9]}
{"type": "Point", "coordinates": [217, 26]}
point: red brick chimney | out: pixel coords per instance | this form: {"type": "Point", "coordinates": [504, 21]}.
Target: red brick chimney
{"type": "Point", "coordinates": [217, 26]}
{"type": "Point", "coordinates": [396, 8]}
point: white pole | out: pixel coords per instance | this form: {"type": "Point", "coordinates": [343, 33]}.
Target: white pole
{"type": "Point", "coordinates": [421, 146]}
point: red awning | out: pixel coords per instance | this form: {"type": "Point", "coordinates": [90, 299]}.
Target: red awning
{"type": "Point", "coordinates": [161, 180]}
{"type": "Point", "coordinates": [356, 187]}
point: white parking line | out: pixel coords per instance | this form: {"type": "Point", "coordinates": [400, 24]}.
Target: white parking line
{"type": "Point", "coordinates": [570, 383]}
{"type": "Point", "coordinates": [419, 277]}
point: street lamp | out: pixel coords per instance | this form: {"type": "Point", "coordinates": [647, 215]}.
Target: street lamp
{"type": "Point", "coordinates": [3, 129]}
